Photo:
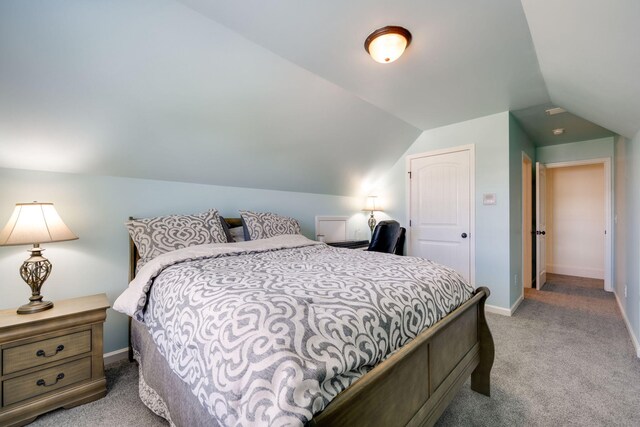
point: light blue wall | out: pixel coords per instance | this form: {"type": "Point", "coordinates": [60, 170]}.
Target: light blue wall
{"type": "Point", "coordinates": [518, 142]}
{"type": "Point", "coordinates": [620, 214]}
{"type": "Point", "coordinates": [633, 239]}
{"type": "Point", "coordinates": [155, 89]}
{"type": "Point", "coordinates": [95, 207]}
{"type": "Point", "coordinates": [627, 211]}
{"type": "Point", "coordinates": [490, 135]}
{"type": "Point", "coordinates": [583, 150]}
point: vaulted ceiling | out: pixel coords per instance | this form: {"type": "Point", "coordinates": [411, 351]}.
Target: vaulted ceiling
{"type": "Point", "coordinates": [467, 58]}
{"type": "Point", "coordinates": [281, 94]}
{"type": "Point", "coordinates": [589, 54]}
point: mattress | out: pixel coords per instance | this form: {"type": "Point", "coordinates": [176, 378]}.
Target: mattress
{"type": "Point", "coordinates": [269, 332]}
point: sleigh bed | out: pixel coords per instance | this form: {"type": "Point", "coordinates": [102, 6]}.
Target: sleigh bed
{"type": "Point", "coordinates": [411, 386]}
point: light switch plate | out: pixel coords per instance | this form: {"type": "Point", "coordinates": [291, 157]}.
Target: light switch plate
{"type": "Point", "coordinates": [489, 199]}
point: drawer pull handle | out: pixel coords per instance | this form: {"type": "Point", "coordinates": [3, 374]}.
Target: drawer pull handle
{"type": "Point", "coordinates": [41, 353]}
{"type": "Point", "coordinates": [43, 383]}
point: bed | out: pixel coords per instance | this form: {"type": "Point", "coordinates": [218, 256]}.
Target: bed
{"type": "Point", "coordinates": [410, 386]}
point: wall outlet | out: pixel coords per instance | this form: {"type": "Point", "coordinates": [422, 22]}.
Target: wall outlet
{"type": "Point", "coordinates": [625, 291]}
{"type": "Point", "coordinates": [515, 279]}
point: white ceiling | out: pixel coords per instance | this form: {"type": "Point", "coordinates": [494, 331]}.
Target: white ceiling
{"type": "Point", "coordinates": [539, 126]}
{"type": "Point", "coordinates": [281, 94]}
{"type": "Point", "coordinates": [589, 53]}
{"type": "Point", "coordinates": [468, 58]}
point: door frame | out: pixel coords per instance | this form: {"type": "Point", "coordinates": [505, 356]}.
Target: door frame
{"type": "Point", "coordinates": [541, 225]}
{"type": "Point", "coordinates": [472, 196]}
{"type": "Point", "coordinates": [608, 220]}
{"type": "Point", "coordinates": [527, 208]}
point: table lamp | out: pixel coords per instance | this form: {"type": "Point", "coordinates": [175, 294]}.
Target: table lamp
{"type": "Point", "coordinates": [35, 223]}
{"type": "Point", "coordinates": [372, 204]}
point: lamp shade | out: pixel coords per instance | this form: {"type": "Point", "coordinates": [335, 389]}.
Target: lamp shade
{"type": "Point", "coordinates": [387, 44]}
{"type": "Point", "coordinates": [33, 223]}
{"type": "Point", "coordinates": [372, 204]}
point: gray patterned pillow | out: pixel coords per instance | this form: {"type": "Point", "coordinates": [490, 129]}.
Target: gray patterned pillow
{"type": "Point", "coordinates": [159, 235]}
{"type": "Point", "coordinates": [264, 225]}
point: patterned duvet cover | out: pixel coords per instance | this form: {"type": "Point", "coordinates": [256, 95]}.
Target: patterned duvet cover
{"type": "Point", "coordinates": [269, 334]}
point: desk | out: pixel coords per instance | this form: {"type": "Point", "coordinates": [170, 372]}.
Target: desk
{"type": "Point", "coordinates": [350, 244]}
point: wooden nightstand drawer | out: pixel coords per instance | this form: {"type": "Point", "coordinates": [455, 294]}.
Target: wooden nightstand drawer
{"type": "Point", "coordinates": [40, 382]}
{"type": "Point", "coordinates": [68, 371]}
{"type": "Point", "coordinates": [25, 356]}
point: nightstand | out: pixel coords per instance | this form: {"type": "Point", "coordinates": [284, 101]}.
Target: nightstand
{"type": "Point", "coordinates": [51, 359]}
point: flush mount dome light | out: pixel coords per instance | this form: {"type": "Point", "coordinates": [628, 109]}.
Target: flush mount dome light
{"type": "Point", "coordinates": [387, 44]}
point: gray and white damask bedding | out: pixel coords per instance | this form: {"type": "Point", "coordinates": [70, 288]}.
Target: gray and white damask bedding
{"type": "Point", "coordinates": [268, 332]}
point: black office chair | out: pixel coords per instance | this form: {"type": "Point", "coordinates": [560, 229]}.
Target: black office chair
{"type": "Point", "coordinates": [386, 238]}
{"type": "Point", "coordinates": [400, 245]}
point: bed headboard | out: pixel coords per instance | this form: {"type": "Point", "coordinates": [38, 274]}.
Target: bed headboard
{"type": "Point", "coordinates": [134, 256]}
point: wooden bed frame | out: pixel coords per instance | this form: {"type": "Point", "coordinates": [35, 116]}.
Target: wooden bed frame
{"type": "Point", "coordinates": [414, 385]}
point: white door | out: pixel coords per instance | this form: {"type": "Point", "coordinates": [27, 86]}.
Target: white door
{"type": "Point", "coordinates": [440, 204]}
{"type": "Point", "coordinates": [541, 225]}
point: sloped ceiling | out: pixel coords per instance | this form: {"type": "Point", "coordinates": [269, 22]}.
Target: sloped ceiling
{"type": "Point", "coordinates": [153, 89]}
{"type": "Point", "coordinates": [589, 53]}
{"type": "Point", "coordinates": [539, 126]}
{"type": "Point", "coordinates": [467, 59]}
{"type": "Point", "coordinates": [281, 94]}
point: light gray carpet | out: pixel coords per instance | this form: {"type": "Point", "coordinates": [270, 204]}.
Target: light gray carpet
{"type": "Point", "coordinates": [564, 358]}
{"type": "Point", "coordinates": [120, 408]}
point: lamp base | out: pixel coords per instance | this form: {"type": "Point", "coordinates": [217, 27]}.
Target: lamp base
{"type": "Point", "coordinates": [34, 307]}
{"type": "Point", "coordinates": [372, 222]}
{"type": "Point", "coordinates": [34, 272]}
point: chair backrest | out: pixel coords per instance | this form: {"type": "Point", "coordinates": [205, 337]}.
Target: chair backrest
{"type": "Point", "coordinates": [385, 237]}
{"type": "Point", "coordinates": [400, 245]}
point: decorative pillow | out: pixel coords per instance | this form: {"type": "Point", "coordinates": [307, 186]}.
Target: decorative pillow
{"type": "Point", "coordinates": [237, 234]}
{"type": "Point", "coordinates": [159, 235]}
{"type": "Point", "coordinates": [264, 225]}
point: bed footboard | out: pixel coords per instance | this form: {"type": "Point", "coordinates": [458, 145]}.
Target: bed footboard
{"type": "Point", "coordinates": [481, 376]}
{"type": "Point", "coordinates": [415, 384]}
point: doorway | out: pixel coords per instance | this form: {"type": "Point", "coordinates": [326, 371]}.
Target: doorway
{"type": "Point", "coordinates": [573, 224]}
{"type": "Point", "coordinates": [441, 209]}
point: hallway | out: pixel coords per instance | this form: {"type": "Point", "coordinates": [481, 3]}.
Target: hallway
{"type": "Point", "coordinates": [564, 358]}
{"type": "Point", "coordinates": [575, 293]}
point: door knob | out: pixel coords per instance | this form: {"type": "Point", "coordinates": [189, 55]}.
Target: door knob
{"type": "Point", "coordinates": [464, 235]}
{"type": "Point", "coordinates": [543, 232]}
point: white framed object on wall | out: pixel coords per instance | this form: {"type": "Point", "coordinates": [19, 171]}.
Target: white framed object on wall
{"type": "Point", "coordinates": [331, 228]}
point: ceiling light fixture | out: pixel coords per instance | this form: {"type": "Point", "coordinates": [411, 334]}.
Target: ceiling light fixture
{"type": "Point", "coordinates": [555, 110]}
{"type": "Point", "coordinates": [558, 132]}
{"type": "Point", "coordinates": [387, 44]}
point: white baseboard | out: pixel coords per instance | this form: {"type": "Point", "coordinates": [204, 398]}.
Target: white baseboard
{"type": "Point", "coordinates": [504, 311]}
{"type": "Point", "coordinates": [634, 340]}
{"type": "Point", "coordinates": [497, 310]}
{"type": "Point", "coordinates": [516, 304]}
{"type": "Point", "coordinates": [116, 356]}
{"type": "Point", "coordinates": [567, 270]}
